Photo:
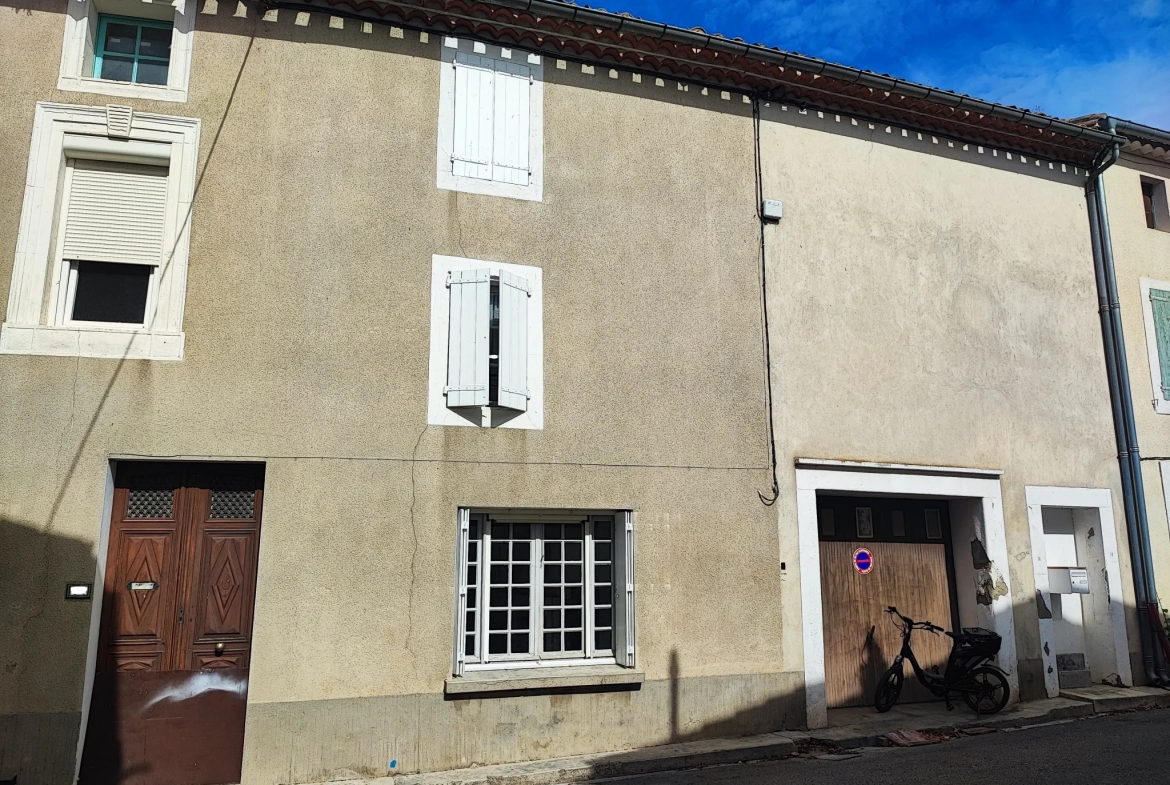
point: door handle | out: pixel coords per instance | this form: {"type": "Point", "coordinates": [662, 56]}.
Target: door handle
{"type": "Point", "coordinates": [219, 650]}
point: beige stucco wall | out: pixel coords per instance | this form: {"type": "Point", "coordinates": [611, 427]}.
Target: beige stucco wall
{"type": "Point", "coordinates": [926, 309]}
{"type": "Point", "coordinates": [935, 306]}
{"type": "Point", "coordinates": [1140, 252]}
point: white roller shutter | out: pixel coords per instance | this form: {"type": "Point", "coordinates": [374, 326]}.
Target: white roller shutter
{"type": "Point", "coordinates": [115, 212]}
{"type": "Point", "coordinates": [492, 119]}
{"type": "Point", "coordinates": [623, 601]}
{"type": "Point", "coordinates": [467, 348]}
{"type": "Point", "coordinates": [514, 294]}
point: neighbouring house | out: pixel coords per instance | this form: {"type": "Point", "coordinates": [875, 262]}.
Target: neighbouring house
{"type": "Point", "coordinates": [398, 386]}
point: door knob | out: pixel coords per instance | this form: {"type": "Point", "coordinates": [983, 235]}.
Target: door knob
{"type": "Point", "coordinates": [219, 650]}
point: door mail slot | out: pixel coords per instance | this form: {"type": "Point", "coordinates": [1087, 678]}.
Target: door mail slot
{"type": "Point", "coordinates": [142, 585]}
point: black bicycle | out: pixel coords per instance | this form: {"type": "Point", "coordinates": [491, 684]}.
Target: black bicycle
{"type": "Point", "coordinates": [969, 671]}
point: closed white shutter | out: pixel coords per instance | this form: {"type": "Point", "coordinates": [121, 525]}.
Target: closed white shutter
{"type": "Point", "coordinates": [514, 294]}
{"type": "Point", "coordinates": [623, 589]}
{"type": "Point", "coordinates": [471, 154]}
{"type": "Point", "coordinates": [115, 212]}
{"type": "Point", "coordinates": [467, 348]}
{"type": "Point", "coordinates": [512, 118]}
{"type": "Point", "coordinates": [461, 592]}
{"type": "Point", "coordinates": [492, 119]}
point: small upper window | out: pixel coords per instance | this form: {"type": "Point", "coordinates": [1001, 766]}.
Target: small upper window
{"type": "Point", "coordinates": [1154, 202]}
{"type": "Point", "coordinates": [133, 50]}
{"type": "Point", "coordinates": [490, 120]}
{"type": "Point", "coordinates": [128, 48]}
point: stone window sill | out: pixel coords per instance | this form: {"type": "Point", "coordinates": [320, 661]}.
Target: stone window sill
{"type": "Point", "coordinates": [524, 679]}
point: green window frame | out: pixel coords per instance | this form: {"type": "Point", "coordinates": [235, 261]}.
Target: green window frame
{"type": "Point", "coordinates": [1160, 304]}
{"type": "Point", "coordinates": [137, 58]}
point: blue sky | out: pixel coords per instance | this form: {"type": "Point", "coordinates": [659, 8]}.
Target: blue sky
{"type": "Point", "coordinates": [1064, 58]}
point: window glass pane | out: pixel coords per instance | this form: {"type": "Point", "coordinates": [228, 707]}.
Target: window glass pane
{"type": "Point", "coordinates": [151, 72]}
{"type": "Point", "coordinates": [120, 38]}
{"type": "Point", "coordinates": [156, 42]}
{"type": "Point", "coordinates": [111, 292]}
{"type": "Point", "coordinates": [564, 548]}
{"type": "Point", "coordinates": [510, 597]}
{"type": "Point", "coordinates": [118, 69]}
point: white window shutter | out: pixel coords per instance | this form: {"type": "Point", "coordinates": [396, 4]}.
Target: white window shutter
{"type": "Point", "coordinates": [512, 120]}
{"type": "Point", "coordinates": [514, 294]}
{"type": "Point", "coordinates": [623, 601]}
{"type": "Point", "coordinates": [471, 154]}
{"type": "Point", "coordinates": [115, 213]}
{"type": "Point", "coordinates": [467, 347]}
{"type": "Point", "coordinates": [461, 592]}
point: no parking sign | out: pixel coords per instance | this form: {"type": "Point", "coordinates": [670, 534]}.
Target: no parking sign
{"type": "Point", "coordinates": [863, 560]}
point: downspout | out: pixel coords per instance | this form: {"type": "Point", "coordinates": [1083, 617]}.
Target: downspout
{"type": "Point", "coordinates": [1125, 429]}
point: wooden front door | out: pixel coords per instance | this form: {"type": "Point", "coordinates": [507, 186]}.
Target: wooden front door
{"type": "Point", "coordinates": [172, 671]}
{"type": "Point", "coordinates": [909, 544]}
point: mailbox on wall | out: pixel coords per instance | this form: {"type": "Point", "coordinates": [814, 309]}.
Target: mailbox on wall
{"type": "Point", "coordinates": [1068, 580]}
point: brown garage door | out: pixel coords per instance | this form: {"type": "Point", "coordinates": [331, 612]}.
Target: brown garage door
{"type": "Point", "coordinates": [909, 540]}
{"type": "Point", "coordinates": [172, 673]}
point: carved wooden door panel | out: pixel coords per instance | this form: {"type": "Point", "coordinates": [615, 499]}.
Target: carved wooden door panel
{"type": "Point", "coordinates": [170, 691]}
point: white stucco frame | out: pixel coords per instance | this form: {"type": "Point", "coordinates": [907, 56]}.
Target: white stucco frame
{"type": "Point", "coordinates": [1100, 500]}
{"type": "Point", "coordinates": [445, 179]}
{"type": "Point", "coordinates": [77, 48]}
{"type": "Point", "coordinates": [437, 411]}
{"type": "Point", "coordinates": [55, 128]}
{"type": "Point", "coordinates": [981, 486]}
{"type": "Point", "coordinates": [1161, 404]}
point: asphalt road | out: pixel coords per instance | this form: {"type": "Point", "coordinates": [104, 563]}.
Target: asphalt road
{"type": "Point", "coordinates": [1126, 749]}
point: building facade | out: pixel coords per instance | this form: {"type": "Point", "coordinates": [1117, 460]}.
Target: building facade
{"type": "Point", "coordinates": [412, 388]}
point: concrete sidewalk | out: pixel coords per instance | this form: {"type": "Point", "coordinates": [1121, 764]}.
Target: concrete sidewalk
{"type": "Point", "coordinates": [848, 728]}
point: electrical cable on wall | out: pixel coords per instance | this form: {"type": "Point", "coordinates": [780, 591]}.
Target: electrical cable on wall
{"type": "Point", "coordinates": [767, 500]}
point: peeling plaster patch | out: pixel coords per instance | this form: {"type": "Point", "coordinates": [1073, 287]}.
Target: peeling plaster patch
{"type": "Point", "coordinates": [726, 96]}
{"type": "Point", "coordinates": [241, 10]}
{"type": "Point", "coordinates": [1092, 533]}
{"type": "Point", "coordinates": [211, 7]}
{"type": "Point", "coordinates": [1001, 589]}
{"type": "Point", "coordinates": [979, 558]}
{"type": "Point", "coordinates": [637, 79]}
{"type": "Point", "coordinates": [1047, 651]}
{"type": "Point", "coordinates": [1043, 611]}
{"type": "Point", "coordinates": [397, 32]}
{"type": "Point", "coordinates": [424, 38]}
{"type": "Point", "coordinates": [588, 69]}
{"type": "Point", "coordinates": [367, 27]}
{"type": "Point", "coordinates": [658, 82]}
{"type": "Point", "coordinates": [613, 74]}
{"type": "Point", "coordinates": [271, 15]}
{"type": "Point", "coordinates": [337, 23]}
{"type": "Point", "coordinates": [562, 65]}
{"type": "Point", "coordinates": [302, 19]}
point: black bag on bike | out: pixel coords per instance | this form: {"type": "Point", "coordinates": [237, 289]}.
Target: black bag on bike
{"type": "Point", "coordinates": [972, 646]}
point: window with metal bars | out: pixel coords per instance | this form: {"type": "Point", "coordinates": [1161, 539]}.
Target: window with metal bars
{"type": "Point", "coordinates": [544, 588]}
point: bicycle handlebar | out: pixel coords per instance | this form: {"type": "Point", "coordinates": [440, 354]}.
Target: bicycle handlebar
{"type": "Point", "coordinates": [920, 625]}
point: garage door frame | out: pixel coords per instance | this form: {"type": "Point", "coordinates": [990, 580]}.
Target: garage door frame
{"type": "Point", "coordinates": [985, 521]}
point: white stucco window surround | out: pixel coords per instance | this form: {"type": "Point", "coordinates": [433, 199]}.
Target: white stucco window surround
{"type": "Point", "coordinates": [487, 344]}
{"type": "Point", "coordinates": [80, 47]}
{"type": "Point", "coordinates": [105, 186]}
{"type": "Point", "coordinates": [976, 504]}
{"type": "Point", "coordinates": [1100, 614]}
{"type": "Point", "coordinates": [491, 120]}
{"type": "Point", "coordinates": [1157, 324]}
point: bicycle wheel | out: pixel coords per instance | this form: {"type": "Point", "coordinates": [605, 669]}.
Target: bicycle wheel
{"type": "Point", "coordinates": [888, 689]}
{"type": "Point", "coordinates": [986, 690]}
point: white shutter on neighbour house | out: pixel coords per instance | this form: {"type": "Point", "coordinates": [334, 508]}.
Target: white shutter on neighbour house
{"type": "Point", "coordinates": [492, 118]}
{"type": "Point", "coordinates": [467, 346]}
{"type": "Point", "coordinates": [623, 601]}
{"type": "Point", "coordinates": [514, 294]}
{"type": "Point", "coordinates": [115, 212]}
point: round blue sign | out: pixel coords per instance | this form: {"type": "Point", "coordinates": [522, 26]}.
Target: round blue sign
{"type": "Point", "coordinates": [863, 561]}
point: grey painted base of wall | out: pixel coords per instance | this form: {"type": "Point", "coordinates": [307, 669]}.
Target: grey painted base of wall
{"type": "Point", "coordinates": [1031, 675]}
{"type": "Point", "coordinates": [39, 749]}
{"type": "Point", "coordinates": [314, 741]}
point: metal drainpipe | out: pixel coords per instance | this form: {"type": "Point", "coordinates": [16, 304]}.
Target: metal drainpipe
{"type": "Point", "coordinates": [1125, 430]}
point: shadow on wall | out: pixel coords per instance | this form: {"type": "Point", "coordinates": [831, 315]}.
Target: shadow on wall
{"type": "Point", "coordinates": [43, 642]}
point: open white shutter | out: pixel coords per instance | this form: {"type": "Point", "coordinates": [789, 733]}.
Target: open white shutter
{"type": "Point", "coordinates": [471, 154]}
{"type": "Point", "coordinates": [461, 592]}
{"type": "Point", "coordinates": [467, 347]}
{"type": "Point", "coordinates": [623, 601]}
{"type": "Point", "coordinates": [116, 213]}
{"type": "Point", "coordinates": [512, 118]}
{"type": "Point", "coordinates": [514, 294]}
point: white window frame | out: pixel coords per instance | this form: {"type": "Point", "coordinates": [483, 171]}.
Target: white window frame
{"type": "Point", "coordinates": [446, 179]}
{"type": "Point", "coordinates": [1161, 404]}
{"type": "Point", "coordinates": [78, 47]}
{"type": "Point", "coordinates": [487, 416]}
{"type": "Point", "coordinates": [623, 651]}
{"type": "Point", "coordinates": [36, 322]}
